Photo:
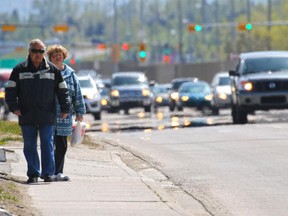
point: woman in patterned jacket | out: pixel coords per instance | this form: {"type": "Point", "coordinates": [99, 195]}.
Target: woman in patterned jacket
{"type": "Point", "coordinates": [63, 127]}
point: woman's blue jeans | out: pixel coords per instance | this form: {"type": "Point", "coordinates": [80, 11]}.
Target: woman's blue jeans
{"type": "Point", "coordinates": [30, 136]}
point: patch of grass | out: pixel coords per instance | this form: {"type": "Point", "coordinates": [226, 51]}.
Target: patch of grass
{"type": "Point", "coordinates": [10, 128]}
{"type": "Point", "coordinates": [6, 193]}
{"type": "Point", "coordinates": [9, 131]}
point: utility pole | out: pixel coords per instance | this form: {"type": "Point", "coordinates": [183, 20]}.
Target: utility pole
{"type": "Point", "coordinates": [217, 29]}
{"type": "Point", "coordinates": [233, 31]}
{"type": "Point", "coordinates": [115, 46]}
{"type": "Point", "coordinates": [204, 21]}
{"type": "Point", "coordinates": [180, 32]}
{"type": "Point", "coordinates": [269, 11]}
{"type": "Point", "coordinates": [248, 2]}
{"type": "Point", "coordinates": [248, 11]}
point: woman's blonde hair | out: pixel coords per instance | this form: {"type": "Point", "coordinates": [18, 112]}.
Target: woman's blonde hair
{"type": "Point", "coordinates": [56, 49]}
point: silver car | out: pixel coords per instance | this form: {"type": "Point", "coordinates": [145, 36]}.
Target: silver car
{"type": "Point", "coordinates": [91, 96]}
{"type": "Point", "coordinates": [221, 89]}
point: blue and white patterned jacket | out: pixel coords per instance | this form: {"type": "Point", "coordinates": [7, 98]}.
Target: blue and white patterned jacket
{"type": "Point", "coordinates": [63, 127]}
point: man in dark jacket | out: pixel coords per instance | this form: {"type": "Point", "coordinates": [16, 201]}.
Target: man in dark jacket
{"type": "Point", "coordinates": [30, 94]}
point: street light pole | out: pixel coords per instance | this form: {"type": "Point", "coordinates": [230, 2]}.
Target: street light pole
{"type": "Point", "coordinates": [180, 32]}
{"type": "Point", "coordinates": [115, 47]}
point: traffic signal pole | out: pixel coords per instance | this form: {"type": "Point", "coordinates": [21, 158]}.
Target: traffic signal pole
{"type": "Point", "coordinates": [115, 39]}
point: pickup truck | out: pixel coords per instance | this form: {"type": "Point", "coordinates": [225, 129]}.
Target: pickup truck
{"type": "Point", "coordinates": [260, 82]}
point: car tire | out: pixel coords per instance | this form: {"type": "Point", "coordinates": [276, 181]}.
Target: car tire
{"type": "Point", "coordinates": [97, 116]}
{"type": "Point", "coordinates": [180, 108]}
{"type": "Point", "coordinates": [172, 107]}
{"type": "Point", "coordinates": [215, 111]}
{"type": "Point", "coordinates": [147, 109]}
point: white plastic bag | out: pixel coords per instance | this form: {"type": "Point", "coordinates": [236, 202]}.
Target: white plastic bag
{"type": "Point", "coordinates": [78, 133]}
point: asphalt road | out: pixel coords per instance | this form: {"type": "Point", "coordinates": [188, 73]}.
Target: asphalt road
{"type": "Point", "coordinates": [229, 169]}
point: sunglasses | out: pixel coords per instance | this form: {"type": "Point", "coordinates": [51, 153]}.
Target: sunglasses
{"type": "Point", "coordinates": [38, 51]}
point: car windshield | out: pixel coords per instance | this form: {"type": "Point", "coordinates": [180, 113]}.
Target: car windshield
{"type": "Point", "coordinates": [256, 65]}
{"type": "Point", "coordinates": [176, 85]}
{"type": "Point", "coordinates": [86, 83]}
{"type": "Point", "coordinates": [199, 88]}
{"type": "Point", "coordinates": [160, 90]}
{"type": "Point", "coordinates": [129, 80]}
{"type": "Point", "coordinates": [223, 81]}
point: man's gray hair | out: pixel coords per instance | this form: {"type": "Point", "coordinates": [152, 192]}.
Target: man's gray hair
{"type": "Point", "coordinates": [36, 41]}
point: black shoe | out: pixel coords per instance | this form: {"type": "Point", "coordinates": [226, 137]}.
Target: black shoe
{"type": "Point", "coordinates": [48, 179]}
{"type": "Point", "coordinates": [32, 180]}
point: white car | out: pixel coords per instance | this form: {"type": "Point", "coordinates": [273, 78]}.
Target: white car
{"type": "Point", "coordinates": [91, 96]}
{"type": "Point", "coordinates": [221, 89]}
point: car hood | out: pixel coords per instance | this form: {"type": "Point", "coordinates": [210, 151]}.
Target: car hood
{"type": "Point", "coordinates": [162, 95]}
{"type": "Point", "coordinates": [223, 89]}
{"type": "Point", "coordinates": [130, 87]}
{"type": "Point", "coordinates": [194, 95]}
{"type": "Point", "coordinates": [87, 91]}
{"type": "Point", "coordinates": [267, 75]}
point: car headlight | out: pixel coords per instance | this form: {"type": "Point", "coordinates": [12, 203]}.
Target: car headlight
{"type": "Point", "coordinates": [246, 85]}
{"type": "Point", "coordinates": [145, 92]}
{"type": "Point", "coordinates": [90, 96]}
{"type": "Point", "coordinates": [222, 96]}
{"type": "Point", "coordinates": [2, 94]}
{"type": "Point", "coordinates": [208, 97]}
{"type": "Point", "coordinates": [115, 93]}
{"type": "Point", "coordinates": [104, 102]}
{"type": "Point", "coordinates": [175, 96]}
{"type": "Point", "coordinates": [184, 98]}
{"type": "Point", "coordinates": [159, 99]}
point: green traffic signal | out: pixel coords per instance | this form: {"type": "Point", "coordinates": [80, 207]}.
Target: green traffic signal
{"type": "Point", "coordinates": [248, 26]}
{"type": "Point", "coordinates": [142, 54]}
{"type": "Point", "coordinates": [198, 28]}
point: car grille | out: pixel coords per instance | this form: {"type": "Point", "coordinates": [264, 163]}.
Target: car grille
{"type": "Point", "coordinates": [130, 94]}
{"type": "Point", "coordinates": [273, 100]}
{"type": "Point", "coordinates": [268, 86]}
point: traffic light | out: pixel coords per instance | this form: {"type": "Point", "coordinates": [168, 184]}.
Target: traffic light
{"type": "Point", "coordinates": [166, 54]}
{"type": "Point", "coordinates": [72, 61]}
{"type": "Point", "coordinates": [194, 27]}
{"type": "Point", "coordinates": [10, 28]}
{"type": "Point", "coordinates": [101, 46]}
{"type": "Point", "coordinates": [60, 28]}
{"type": "Point", "coordinates": [142, 52]}
{"type": "Point", "coordinates": [166, 58]}
{"type": "Point", "coordinates": [125, 46]}
{"type": "Point", "coordinates": [245, 26]}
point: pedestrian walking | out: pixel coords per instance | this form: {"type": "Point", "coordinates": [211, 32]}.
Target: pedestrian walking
{"type": "Point", "coordinates": [31, 94]}
{"type": "Point", "coordinates": [63, 127]}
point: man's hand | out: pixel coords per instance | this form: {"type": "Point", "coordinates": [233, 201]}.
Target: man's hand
{"type": "Point", "coordinates": [17, 112]}
{"type": "Point", "coordinates": [64, 115]}
{"type": "Point", "coordinates": [79, 118]}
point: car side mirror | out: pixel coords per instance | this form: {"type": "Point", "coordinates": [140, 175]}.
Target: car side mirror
{"type": "Point", "coordinates": [233, 73]}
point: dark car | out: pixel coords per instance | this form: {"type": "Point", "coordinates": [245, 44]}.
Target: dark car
{"type": "Point", "coordinates": [196, 95]}
{"type": "Point", "coordinates": [175, 84]}
{"type": "Point", "coordinates": [130, 90]}
{"type": "Point", "coordinates": [161, 95]}
{"type": "Point", "coordinates": [260, 82]}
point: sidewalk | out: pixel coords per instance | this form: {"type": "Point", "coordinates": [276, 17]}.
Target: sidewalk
{"type": "Point", "coordinates": [101, 184]}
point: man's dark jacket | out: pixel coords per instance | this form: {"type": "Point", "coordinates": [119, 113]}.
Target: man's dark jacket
{"type": "Point", "coordinates": [33, 92]}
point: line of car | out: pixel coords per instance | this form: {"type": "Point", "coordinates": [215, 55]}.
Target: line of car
{"type": "Point", "coordinates": [259, 82]}
{"type": "Point", "coordinates": [127, 90]}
